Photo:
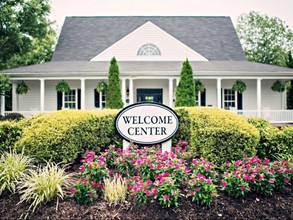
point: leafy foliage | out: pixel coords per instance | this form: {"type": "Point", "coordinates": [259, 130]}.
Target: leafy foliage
{"type": "Point", "coordinates": [278, 86]}
{"type": "Point", "coordinates": [199, 86]}
{"type": "Point", "coordinates": [62, 87]}
{"type": "Point", "coordinates": [10, 133]}
{"type": "Point", "coordinates": [13, 117]}
{"type": "Point", "coordinates": [265, 39]}
{"type": "Point", "coordinates": [115, 189]}
{"type": "Point", "coordinates": [113, 95]}
{"type": "Point", "coordinates": [185, 91]}
{"type": "Point", "coordinates": [12, 167]}
{"type": "Point", "coordinates": [22, 88]}
{"type": "Point", "coordinates": [239, 86]}
{"type": "Point", "coordinates": [26, 33]}
{"type": "Point", "coordinates": [5, 84]}
{"type": "Point", "coordinates": [43, 184]}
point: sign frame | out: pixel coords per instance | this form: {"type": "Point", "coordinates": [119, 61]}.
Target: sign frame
{"type": "Point", "coordinates": [141, 104]}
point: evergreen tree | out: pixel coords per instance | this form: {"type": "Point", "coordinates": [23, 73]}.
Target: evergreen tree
{"type": "Point", "coordinates": [113, 94]}
{"type": "Point", "coordinates": [185, 91]}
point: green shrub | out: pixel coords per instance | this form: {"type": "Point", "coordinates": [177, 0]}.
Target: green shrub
{"type": "Point", "coordinates": [63, 135]}
{"type": "Point", "coordinates": [10, 133]}
{"type": "Point", "coordinates": [12, 167]}
{"type": "Point", "coordinates": [183, 133]}
{"type": "Point", "coordinates": [219, 135]}
{"type": "Point", "coordinates": [13, 117]}
{"type": "Point", "coordinates": [268, 144]}
{"type": "Point", "coordinates": [284, 138]}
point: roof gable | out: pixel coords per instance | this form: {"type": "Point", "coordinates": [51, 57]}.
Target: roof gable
{"type": "Point", "coordinates": [82, 38]}
{"type": "Point", "coordinates": [149, 43]}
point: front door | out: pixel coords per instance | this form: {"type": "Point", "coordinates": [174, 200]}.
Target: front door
{"type": "Point", "coordinates": [150, 95]}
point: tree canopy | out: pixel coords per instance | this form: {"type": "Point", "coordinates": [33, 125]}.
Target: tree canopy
{"type": "Point", "coordinates": [265, 39]}
{"type": "Point", "coordinates": [26, 35]}
{"type": "Point", "coordinates": [185, 91]}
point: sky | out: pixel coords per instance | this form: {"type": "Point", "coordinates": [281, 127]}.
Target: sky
{"type": "Point", "coordinates": [282, 9]}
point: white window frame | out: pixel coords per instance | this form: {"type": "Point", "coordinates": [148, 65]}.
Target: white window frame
{"type": "Point", "coordinates": [102, 102]}
{"type": "Point", "coordinates": [76, 100]}
{"type": "Point", "coordinates": [229, 101]}
{"type": "Point", "coordinates": [198, 99]}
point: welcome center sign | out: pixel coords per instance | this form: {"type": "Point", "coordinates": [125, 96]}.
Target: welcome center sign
{"type": "Point", "coordinates": [147, 123]}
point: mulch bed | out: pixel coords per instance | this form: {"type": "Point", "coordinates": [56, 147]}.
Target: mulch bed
{"type": "Point", "coordinates": [277, 206]}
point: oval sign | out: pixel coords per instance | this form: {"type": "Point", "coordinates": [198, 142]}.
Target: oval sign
{"type": "Point", "coordinates": [147, 123]}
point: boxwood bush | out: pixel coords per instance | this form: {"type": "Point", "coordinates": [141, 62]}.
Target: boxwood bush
{"type": "Point", "coordinates": [63, 135]}
{"type": "Point", "coordinates": [268, 143]}
{"type": "Point", "coordinates": [284, 139]}
{"type": "Point", "coordinates": [219, 135]}
{"type": "Point", "coordinates": [10, 133]}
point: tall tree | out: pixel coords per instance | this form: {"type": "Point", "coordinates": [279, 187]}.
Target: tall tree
{"type": "Point", "coordinates": [113, 94]}
{"type": "Point", "coordinates": [26, 35]}
{"type": "Point", "coordinates": [185, 91]}
{"type": "Point", "coordinates": [265, 39]}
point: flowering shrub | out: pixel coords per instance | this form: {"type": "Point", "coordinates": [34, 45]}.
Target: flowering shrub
{"type": "Point", "coordinates": [110, 155]}
{"type": "Point", "coordinates": [201, 190]}
{"type": "Point", "coordinates": [255, 175]}
{"type": "Point", "coordinates": [83, 192]}
{"type": "Point", "coordinates": [204, 167]}
{"type": "Point", "coordinates": [141, 191]}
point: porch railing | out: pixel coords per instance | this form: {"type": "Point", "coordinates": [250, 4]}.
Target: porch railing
{"type": "Point", "coordinates": [273, 116]}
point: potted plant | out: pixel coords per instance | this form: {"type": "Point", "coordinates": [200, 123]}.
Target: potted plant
{"type": "Point", "coordinates": [22, 88]}
{"type": "Point", "coordinates": [278, 86]}
{"type": "Point", "coordinates": [199, 86]}
{"type": "Point", "coordinates": [239, 86]}
{"type": "Point", "coordinates": [62, 87]}
{"type": "Point", "coordinates": [102, 87]}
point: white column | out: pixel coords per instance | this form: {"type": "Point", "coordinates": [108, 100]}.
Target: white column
{"type": "Point", "coordinates": [2, 105]}
{"type": "Point", "coordinates": [123, 91]}
{"type": "Point", "coordinates": [82, 94]}
{"type": "Point", "coordinates": [14, 97]}
{"type": "Point", "coordinates": [177, 81]}
{"type": "Point", "coordinates": [42, 95]}
{"type": "Point", "coordinates": [284, 99]}
{"type": "Point", "coordinates": [219, 101]}
{"type": "Point", "coordinates": [131, 92]}
{"type": "Point", "coordinates": [258, 97]}
{"type": "Point", "coordinates": [170, 93]}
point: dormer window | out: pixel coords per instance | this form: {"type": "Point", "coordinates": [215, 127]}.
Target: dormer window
{"type": "Point", "coordinates": [149, 50]}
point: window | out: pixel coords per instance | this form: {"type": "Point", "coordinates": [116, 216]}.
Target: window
{"type": "Point", "coordinates": [197, 99]}
{"type": "Point", "coordinates": [229, 99]}
{"type": "Point", "coordinates": [70, 99]}
{"type": "Point", "coordinates": [149, 50]}
{"type": "Point", "coordinates": [100, 99]}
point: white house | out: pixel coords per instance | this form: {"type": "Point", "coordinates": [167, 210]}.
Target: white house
{"type": "Point", "coordinates": [150, 52]}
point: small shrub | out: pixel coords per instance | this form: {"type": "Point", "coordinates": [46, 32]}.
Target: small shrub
{"type": "Point", "coordinates": [267, 145]}
{"type": "Point", "coordinates": [284, 139]}
{"type": "Point", "coordinates": [13, 117]}
{"type": "Point", "coordinates": [43, 184]}
{"type": "Point", "coordinates": [115, 189]}
{"type": "Point", "coordinates": [83, 192]}
{"type": "Point", "coordinates": [10, 133]}
{"type": "Point", "coordinates": [12, 167]}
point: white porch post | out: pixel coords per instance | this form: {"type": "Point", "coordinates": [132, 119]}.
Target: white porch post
{"type": "Point", "coordinates": [258, 97]}
{"type": "Point", "coordinates": [170, 93]}
{"type": "Point", "coordinates": [14, 97]}
{"type": "Point", "coordinates": [219, 101]}
{"type": "Point", "coordinates": [42, 95]}
{"type": "Point", "coordinates": [123, 91]}
{"type": "Point", "coordinates": [284, 99]}
{"type": "Point", "coordinates": [82, 94]}
{"type": "Point", "coordinates": [177, 81]}
{"type": "Point", "coordinates": [2, 105]}
{"type": "Point", "coordinates": [131, 91]}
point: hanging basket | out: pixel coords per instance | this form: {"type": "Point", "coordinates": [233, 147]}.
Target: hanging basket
{"type": "Point", "coordinates": [22, 88]}
{"type": "Point", "coordinates": [278, 86]}
{"type": "Point", "coordinates": [102, 87]}
{"type": "Point", "coordinates": [199, 86]}
{"type": "Point", "coordinates": [62, 87]}
{"type": "Point", "coordinates": [239, 86]}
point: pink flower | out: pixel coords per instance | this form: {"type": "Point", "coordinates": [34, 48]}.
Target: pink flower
{"type": "Point", "coordinates": [271, 180]}
{"type": "Point", "coordinates": [73, 190]}
{"type": "Point", "coordinates": [155, 191]}
{"type": "Point", "coordinates": [209, 181]}
{"type": "Point", "coordinates": [266, 160]}
{"type": "Point", "coordinates": [192, 193]}
{"type": "Point", "coordinates": [246, 177]}
{"type": "Point", "coordinates": [286, 181]}
{"type": "Point", "coordinates": [166, 197]}
{"type": "Point", "coordinates": [241, 187]}
{"type": "Point", "coordinates": [82, 168]}
{"type": "Point", "coordinates": [149, 182]}
{"type": "Point", "coordinates": [90, 194]}
{"type": "Point", "coordinates": [224, 184]}
{"type": "Point", "coordinates": [197, 189]}
{"type": "Point", "coordinates": [148, 193]}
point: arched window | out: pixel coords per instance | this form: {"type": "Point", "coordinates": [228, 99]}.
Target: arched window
{"type": "Point", "coordinates": [149, 50]}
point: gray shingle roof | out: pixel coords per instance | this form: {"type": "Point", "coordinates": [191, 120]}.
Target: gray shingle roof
{"type": "Point", "coordinates": [82, 38]}
{"type": "Point", "coordinates": [155, 68]}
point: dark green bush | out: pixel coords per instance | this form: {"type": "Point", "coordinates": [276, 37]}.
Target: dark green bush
{"type": "Point", "coordinates": [268, 143]}
{"type": "Point", "coordinates": [183, 133]}
{"type": "Point", "coordinates": [13, 117]}
{"type": "Point", "coordinates": [219, 135]}
{"type": "Point", "coordinates": [63, 136]}
{"type": "Point", "coordinates": [10, 133]}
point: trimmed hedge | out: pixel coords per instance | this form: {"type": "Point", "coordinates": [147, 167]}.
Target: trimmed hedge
{"type": "Point", "coordinates": [10, 133]}
{"type": "Point", "coordinates": [284, 138]}
{"type": "Point", "coordinates": [219, 135]}
{"type": "Point", "coordinates": [63, 136]}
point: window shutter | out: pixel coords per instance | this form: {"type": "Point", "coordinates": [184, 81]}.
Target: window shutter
{"type": "Point", "coordinates": [78, 99]}
{"type": "Point", "coordinates": [203, 98]}
{"type": "Point", "coordinates": [239, 101]}
{"type": "Point", "coordinates": [59, 100]}
{"type": "Point", "coordinates": [97, 99]}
